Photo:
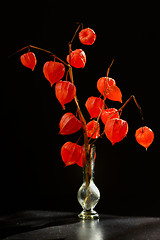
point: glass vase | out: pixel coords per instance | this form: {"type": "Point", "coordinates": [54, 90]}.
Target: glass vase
{"type": "Point", "coordinates": [88, 194]}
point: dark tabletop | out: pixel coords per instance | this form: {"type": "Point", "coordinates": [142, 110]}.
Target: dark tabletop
{"type": "Point", "coordinates": [48, 225]}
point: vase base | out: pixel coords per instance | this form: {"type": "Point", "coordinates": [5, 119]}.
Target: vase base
{"type": "Point", "coordinates": [88, 215]}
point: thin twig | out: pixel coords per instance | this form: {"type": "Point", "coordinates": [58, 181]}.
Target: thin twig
{"type": "Point", "coordinates": [41, 49]}
{"type": "Point", "coordinates": [80, 24]}
{"type": "Point", "coordinates": [138, 106]}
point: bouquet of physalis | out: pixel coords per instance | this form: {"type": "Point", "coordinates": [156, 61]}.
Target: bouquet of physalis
{"type": "Point", "coordinates": [60, 75]}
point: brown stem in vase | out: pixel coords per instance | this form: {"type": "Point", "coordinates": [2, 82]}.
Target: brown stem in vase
{"type": "Point", "coordinates": [81, 117]}
{"type": "Point", "coordinates": [86, 142]}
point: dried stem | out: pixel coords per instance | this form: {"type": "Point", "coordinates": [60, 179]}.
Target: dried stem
{"type": "Point", "coordinates": [80, 24]}
{"type": "Point", "coordinates": [41, 49]}
{"type": "Point", "coordinates": [81, 117]}
{"type": "Point", "coordinates": [134, 98]}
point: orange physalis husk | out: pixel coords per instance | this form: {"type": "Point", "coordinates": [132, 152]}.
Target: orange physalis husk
{"type": "Point", "coordinates": [65, 92]}
{"type": "Point", "coordinates": [87, 36]}
{"type": "Point", "coordinates": [77, 58]}
{"type": "Point", "coordinates": [108, 114]}
{"type": "Point", "coordinates": [53, 71]}
{"type": "Point", "coordinates": [29, 60]}
{"type": "Point", "coordinates": [69, 124]}
{"type": "Point", "coordinates": [72, 153]}
{"type": "Point", "coordinates": [91, 127]}
{"type": "Point", "coordinates": [144, 136]}
{"type": "Point", "coordinates": [94, 106]}
{"type": "Point", "coordinates": [116, 129]}
{"type": "Point", "coordinates": [114, 93]}
{"type": "Point", "coordinates": [102, 82]}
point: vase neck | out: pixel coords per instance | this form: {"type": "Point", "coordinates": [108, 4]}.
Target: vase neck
{"type": "Point", "coordinates": [88, 169]}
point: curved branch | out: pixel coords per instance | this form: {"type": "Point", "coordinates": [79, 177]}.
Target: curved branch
{"type": "Point", "coordinates": [41, 49]}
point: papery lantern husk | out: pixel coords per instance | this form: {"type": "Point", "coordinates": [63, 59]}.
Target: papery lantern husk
{"type": "Point", "coordinates": [29, 60]}
{"type": "Point", "coordinates": [69, 124]}
{"type": "Point", "coordinates": [116, 129]}
{"type": "Point", "coordinates": [65, 92]}
{"type": "Point", "coordinates": [112, 92]}
{"type": "Point", "coordinates": [77, 58]}
{"type": "Point", "coordinates": [144, 136]}
{"type": "Point", "coordinates": [108, 114]}
{"type": "Point", "coordinates": [53, 71]}
{"type": "Point", "coordinates": [87, 36]}
{"type": "Point", "coordinates": [94, 106]}
{"type": "Point", "coordinates": [101, 83]}
{"type": "Point", "coordinates": [91, 128]}
{"type": "Point", "coordinates": [72, 153]}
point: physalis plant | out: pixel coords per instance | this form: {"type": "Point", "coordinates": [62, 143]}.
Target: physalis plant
{"type": "Point", "coordinates": [115, 128]}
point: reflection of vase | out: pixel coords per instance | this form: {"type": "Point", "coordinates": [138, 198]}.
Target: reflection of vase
{"type": "Point", "coordinates": [88, 194]}
{"type": "Point", "coordinates": [90, 230]}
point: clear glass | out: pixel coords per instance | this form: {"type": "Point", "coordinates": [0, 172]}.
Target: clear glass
{"type": "Point", "coordinates": [88, 194]}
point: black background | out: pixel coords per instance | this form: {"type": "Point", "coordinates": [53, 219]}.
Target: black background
{"type": "Point", "coordinates": [32, 174]}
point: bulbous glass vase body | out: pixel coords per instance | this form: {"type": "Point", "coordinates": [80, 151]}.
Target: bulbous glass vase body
{"type": "Point", "coordinates": [88, 194]}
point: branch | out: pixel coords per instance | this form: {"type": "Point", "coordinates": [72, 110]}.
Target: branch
{"type": "Point", "coordinates": [81, 117]}
{"type": "Point", "coordinates": [80, 24]}
{"type": "Point", "coordinates": [138, 106]}
{"type": "Point", "coordinates": [41, 49]}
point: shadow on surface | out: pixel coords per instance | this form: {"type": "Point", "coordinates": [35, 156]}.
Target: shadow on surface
{"type": "Point", "coordinates": [32, 220]}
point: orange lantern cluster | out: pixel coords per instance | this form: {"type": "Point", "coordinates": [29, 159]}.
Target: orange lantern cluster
{"type": "Point", "coordinates": [115, 129]}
